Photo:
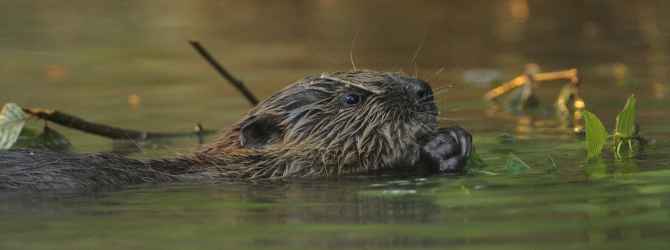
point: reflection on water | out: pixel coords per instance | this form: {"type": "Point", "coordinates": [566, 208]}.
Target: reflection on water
{"type": "Point", "coordinates": [129, 64]}
{"type": "Point", "coordinates": [525, 212]}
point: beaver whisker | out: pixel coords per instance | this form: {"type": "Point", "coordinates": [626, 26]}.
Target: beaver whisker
{"type": "Point", "coordinates": [360, 86]}
{"type": "Point", "coordinates": [440, 100]}
{"type": "Point", "coordinates": [442, 88]}
{"type": "Point", "coordinates": [452, 110]}
{"type": "Point", "coordinates": [426, 112]}
{"type": "Point", "coordinates": [426, 99]}
{"type": "Point", "coordinates": [448, 119]}
{"type": "Point", "coordinates": [434, 74]}
{"type": "Point", "coordinates": [426, 116]}
{"type": "Point", "coordinates": [441, 91]}
{"type": "Point", "coordinates": [452, 114]}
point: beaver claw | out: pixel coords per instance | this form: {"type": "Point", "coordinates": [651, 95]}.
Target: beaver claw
{"type": "Point", "coordinates": [448, 151]}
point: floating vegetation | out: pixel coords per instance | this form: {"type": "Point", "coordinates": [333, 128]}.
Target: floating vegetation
{"type": "Point", "coordinates": [506, 138]}
{"type": "Point", "coordinates": [516, 166]}
{"type": "Point", "coordinates": [552, 167]}
{"type": "Point", "coordinates": [626, 131]}
{"type": "Point", "coordinates": [51, 140]}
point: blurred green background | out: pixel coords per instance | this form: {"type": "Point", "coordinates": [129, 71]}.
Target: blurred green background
{"type": "Point", "coordinates": [128, 63]}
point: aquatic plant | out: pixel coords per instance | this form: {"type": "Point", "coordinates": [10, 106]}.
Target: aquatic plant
{"type": "Point", "coordinates": [626, 131]}
{"type": "Point", "coordinates": [12, 119]}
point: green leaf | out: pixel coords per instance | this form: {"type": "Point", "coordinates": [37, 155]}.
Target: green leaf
{"type": "Point", "coordinates": [515, 166]}
{"type": "Point", "coordinates": [28, 133]}
{"type": "Point", "coordinates": [552, 168]}
{"type": "Point", "coordinates": [51, 140]}
{"type": "Point", "coordinates": [506, 138]}
{"type": "Point", "coordinates": [595, 134]}
{"type": "Point", "coordinates": [625, 123]}
{"type": "Point", "coordinates": [476, 164]}
{"type": "Point", "coordinates": [12, 119]}
{"type": "Point", "coordinates": [626, 119]}
{"type": "Point", "coordinates": [474, 159]}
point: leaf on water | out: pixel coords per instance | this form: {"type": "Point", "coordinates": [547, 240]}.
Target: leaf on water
{"type": "Point", "coordinates": [595, 134]}
{"type": "Point", "coordinates": [51, 140]}
{"type": "Point", "coordinates": [515, 166]}
{"type": "Point", "coordinates": [626, 119]}
{"type": "Point", "coordinates": [474, 159]}
{"type": "Point", "coordinates": [506, 138]}
{"type": "Point", "coordinates": [552, 168]}
{"type": "Point", "coordinates": [625, 123]}
{"type": "Point", "coordinates": [476, 164]}
{"type": "Point", "coordinates": [12, 119]}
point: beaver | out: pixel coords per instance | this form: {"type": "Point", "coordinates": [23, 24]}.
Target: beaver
{"type": "Point", "coordinates": [325, 124]}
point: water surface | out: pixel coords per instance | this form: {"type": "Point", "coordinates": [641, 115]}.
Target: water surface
{"type": "Point", "coordinates": [88, 57]}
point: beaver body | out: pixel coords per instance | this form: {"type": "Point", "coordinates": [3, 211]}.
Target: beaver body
{"type": "Point", "coordinates": [331, 123]}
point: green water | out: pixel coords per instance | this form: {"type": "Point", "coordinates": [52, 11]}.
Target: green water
{"type": "Point", "coordinates": [87, 57]}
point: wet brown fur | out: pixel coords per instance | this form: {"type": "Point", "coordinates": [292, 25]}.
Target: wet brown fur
{"type": "Point", "coordinates": [304, 130]}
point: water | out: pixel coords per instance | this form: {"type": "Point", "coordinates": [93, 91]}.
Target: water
{"type": "Point", "coordinates": [88, 57]}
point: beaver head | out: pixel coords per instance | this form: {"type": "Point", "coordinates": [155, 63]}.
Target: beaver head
{"type": "Point", "coordinates": [330, 123]}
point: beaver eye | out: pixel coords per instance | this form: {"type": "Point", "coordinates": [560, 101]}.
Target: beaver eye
{"type": "Point", "coordinates": [352, 99]}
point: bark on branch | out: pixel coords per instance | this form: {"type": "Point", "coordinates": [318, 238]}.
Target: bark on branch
{"type": "Point", "coordinates": [106, 130]}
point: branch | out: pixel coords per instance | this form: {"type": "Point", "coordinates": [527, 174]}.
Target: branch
{"type": "Point", "coordinates": [106, 130]}
{"type": "Point", "coordinates": [234, 81]}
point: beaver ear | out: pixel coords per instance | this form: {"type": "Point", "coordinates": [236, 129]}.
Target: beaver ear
{"type": "Point", "coordinates": [260, 132]}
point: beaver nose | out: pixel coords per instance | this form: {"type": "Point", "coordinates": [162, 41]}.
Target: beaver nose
{"type": "Point", "coordinates": [421, 90]}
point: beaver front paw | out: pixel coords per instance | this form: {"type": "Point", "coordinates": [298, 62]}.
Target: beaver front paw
{"type": "Point", "coordinates": [448, 151]}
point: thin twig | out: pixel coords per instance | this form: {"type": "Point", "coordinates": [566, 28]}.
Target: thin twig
{"type": "Point", "coordinates": [236, 82]}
